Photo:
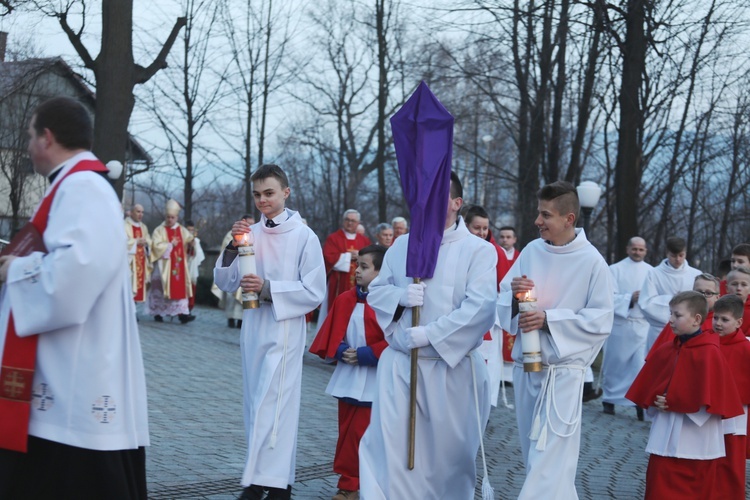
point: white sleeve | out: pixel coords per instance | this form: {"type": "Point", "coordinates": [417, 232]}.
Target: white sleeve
{"type": "Point", "coordinates": [344, 263]}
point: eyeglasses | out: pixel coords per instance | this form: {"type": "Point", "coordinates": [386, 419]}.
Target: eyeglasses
{"type": "Point", "coordinates": [707, 293]}
{"type": "Point", "coordinates": [351, 220]}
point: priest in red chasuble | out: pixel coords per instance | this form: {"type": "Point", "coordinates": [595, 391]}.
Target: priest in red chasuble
{"type": "Point", "coordinates": [340, 252]}
{"type": "Point", "coordinates": [170, 280]}
{"type": "Point", "coordinates": [139, 245]}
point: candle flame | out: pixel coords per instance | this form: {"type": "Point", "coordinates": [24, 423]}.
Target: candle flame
{"type": "Point", "coordinates": [244, 239]}
{"type": "Point", "coordinates": [529, 295]}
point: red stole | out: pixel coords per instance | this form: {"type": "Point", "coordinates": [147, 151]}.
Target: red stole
{"type": "Point", "coordinates": [140, 267]}
{"type": "Point", "coordinates": [19, 353]}
{"type": "Point", "coordinates": [333, 330]}
{"type": "Point", "coordinates": [177, 277]}
{"type": "Point", "coordinates": [336, 244]}
{"type": "Point", "coordinates": [691, 375]}
{"type": "Point", "coordinates": [667, 335]}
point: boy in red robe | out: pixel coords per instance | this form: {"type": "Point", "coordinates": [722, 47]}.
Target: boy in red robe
{"type": "Point", "coordinates": [740, 258]}
{"type": "Point", "coordinates": [708, 286]}
{"type": "Point", "coordinates": [730, 470]}
{"type": "Point", "coordinates": [351, 335]}
{"type": "Point", "coordinates": [688, 389]}
{"type": "Point", "coordinates": [738, 283]}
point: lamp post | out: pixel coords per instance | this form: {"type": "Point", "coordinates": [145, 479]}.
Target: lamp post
{"type": "Point", "coordinates": [588, 196]}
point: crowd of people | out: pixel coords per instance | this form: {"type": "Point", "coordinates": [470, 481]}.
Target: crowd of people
{"type": "Point", "coordinates": [674, 341]}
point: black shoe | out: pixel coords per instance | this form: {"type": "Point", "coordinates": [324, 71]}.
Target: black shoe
{"type": "Point", "coordinates": [589, 393]}
{"type": "Point", "coordinates": [609, 408]}
{"type": "Point", "coordinates": [639, 413]}
{"type": "Point", "coordinates": [252, 492]}
{"type": "Point", "coordinates": [158, 319]}
{"type": "Point", "coordinates": [239, 323]}
{"type": "Point", "coordinates": [230, 323]}
{"type": "Point", "coordinates": [185, 318]}
{"type": "Point", "coordinates": [280, 494]}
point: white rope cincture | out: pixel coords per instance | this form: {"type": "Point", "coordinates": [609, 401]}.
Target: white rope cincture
{"type": "Point", "coordinates": [548, 400]}
{"type": "Point", "coordinates": [282, 379]}
{"type": "Point", "coordinates": [488, 493]}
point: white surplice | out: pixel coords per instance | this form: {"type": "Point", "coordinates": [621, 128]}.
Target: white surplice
{"type": "Point", "coordinates": [696, 436]}
{"type": "Point", "coordinates": [662, 283]}
{"type": "Point", "coordinates": [574, 286]}
{"type": "Point", "coordinates": [458, 310]}
{"type": "Point", "coordinates": [625, 349]}
{"type": "Point", "coordinates": [89, 384]}
{"type": "Point", "coordinates": [272, 342]}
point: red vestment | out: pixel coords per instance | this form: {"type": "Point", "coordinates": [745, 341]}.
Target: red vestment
{"type": "Point", "coordinates": [746, 319]}
{"type": "Point", "coordinates": [503, 266]}
{"type": "Point", "coordinates": [335, 245]}
{"type": "Point", "coordinates": [691, 375]}
{"type": "Point", "coordinates": [667, 335]}
{"type": "Point", "coordinates": [140, 267]}
{"type": "Point", "coordinates": [353, 419]}
{"type": "Point", "coordinates": [730, 471]}
{"type": "Point", "coordinates": [177, 276]}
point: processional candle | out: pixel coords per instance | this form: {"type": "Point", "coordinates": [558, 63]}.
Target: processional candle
{"type": "Point", "coordinates": [530, 343]}
{"type": "Point", "coordinates": [246, 254]}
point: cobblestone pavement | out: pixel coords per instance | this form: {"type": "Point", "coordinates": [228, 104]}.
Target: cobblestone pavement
{"type": "Point", "coordinates": [197, 450]}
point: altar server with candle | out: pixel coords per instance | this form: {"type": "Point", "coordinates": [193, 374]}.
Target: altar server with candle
{"type": "Point", "coordinates": [290, 281]}
{"type": "Point", "coordinates": [574, 296]}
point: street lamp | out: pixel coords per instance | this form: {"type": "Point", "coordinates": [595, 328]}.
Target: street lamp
{"type": "Point", "coordinates": [588, 195]}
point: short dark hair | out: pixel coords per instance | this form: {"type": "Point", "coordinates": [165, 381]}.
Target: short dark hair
{"type": "Point", "coordinates": [725, 265]}
{"type": "Point", "coordinates": [742, 249]}
{"type": "Point", "coordinates": [508, 228]}
{"type": "Point", "coordinates": [475, 211]}
{"type": "Point", "coordinates": [457, 190]}
{"type": "Point", "coordinates": [377, 252]}
{"type": "Point", "coordinates": [696, 303]}
{"type": "Point", "coordinates": [731, 304]}
{"type": "Point", "coordinates": [675, 244]}
{"type": "Point", "coordinates": [564, 196]}
{"type": "Point", "coordinates": [68, 121]}
{"type": "Point", "coordinates": [270, 170]}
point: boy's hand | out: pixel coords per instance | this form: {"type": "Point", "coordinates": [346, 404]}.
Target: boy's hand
{"type": "Point", "coordinates": [532, 320]}
{"type": "Point", "coordinates": [350, 356]}
{"type": "Point", "coordinates": [521, 285]}
{"type": "Point", "coordinates": [238, 229]}
{"type": "Point", "coordinates": [251, 283]}
{"type": "Point", "coordinates": [661, 403]}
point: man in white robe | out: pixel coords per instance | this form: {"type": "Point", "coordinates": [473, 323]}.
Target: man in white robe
{"type": "Point", "coordinates": [625, 349]}
{"type": "Point", "coordinates": [457, 309]}
{"type": "Point", "coordinates": [291, 282]}
{"type": "Point", "coordinates": [573, 288]}
{"type": "Point", "coordinates": [663, 282]}
{"type": "Point", "coordinates": [88, 425]}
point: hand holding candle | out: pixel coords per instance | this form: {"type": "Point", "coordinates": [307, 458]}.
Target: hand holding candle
{"type": "Point", "coordinates": [523, 289]}
{"type": "Point", "coordinates": [244, 242]}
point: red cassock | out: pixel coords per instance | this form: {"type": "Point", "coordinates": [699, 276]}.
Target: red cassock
{"type": "Point", "coordinates": [667, 335]}
{"type": "Point", "coordinates": [690, 375]}
{"type": "Point", "coordinates": [353, 419]}
{"type": "Point", "coordinates": [746, 319]}
{"type": "Point", "coordinates": [335, 245]}
{"type": "Point", "coordinates": [730, 470]}
{"type": "Point", "coordinates": [503, 266]}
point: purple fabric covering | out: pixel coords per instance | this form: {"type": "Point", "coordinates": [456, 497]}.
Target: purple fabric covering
{"type": "Point", "coordinates": [423, 138]}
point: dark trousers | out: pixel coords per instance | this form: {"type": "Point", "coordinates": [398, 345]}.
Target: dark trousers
{"type": "Point", "coordinates": [54, 470]}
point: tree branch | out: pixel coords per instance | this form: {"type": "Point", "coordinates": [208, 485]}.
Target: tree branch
{"type": "Point", "coordinates": [142, 75]}
{"type": "Point", "coordinates": [75, 40]}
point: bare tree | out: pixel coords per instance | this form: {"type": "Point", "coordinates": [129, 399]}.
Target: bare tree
{"type": "Point", "coordinates": [114, 68]}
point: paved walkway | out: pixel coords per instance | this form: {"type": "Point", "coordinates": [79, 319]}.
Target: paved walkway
{"type": "Point", "coordinates": [197, 451]}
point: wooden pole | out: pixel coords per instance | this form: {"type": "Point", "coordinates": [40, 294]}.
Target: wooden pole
{"type": "Point", "coordinates": [413, 387]}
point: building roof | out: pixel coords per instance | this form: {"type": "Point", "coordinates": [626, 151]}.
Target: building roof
{"type": "Point", "coordinates": [14, 75]}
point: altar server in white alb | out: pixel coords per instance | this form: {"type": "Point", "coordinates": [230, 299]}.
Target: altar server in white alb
{"type": "Point", "coordinates": [291, 282]}
{"type": "Point", "coordinates": [625, 349]}
{"type": "Point", "coordinates": [671, 276]}
{"type": "Point", "coordinates": [457, 309]}
{"type": "Point", "coordinates": [573, 288]}
{"type": "Point", "coordinates": [71, 307]}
